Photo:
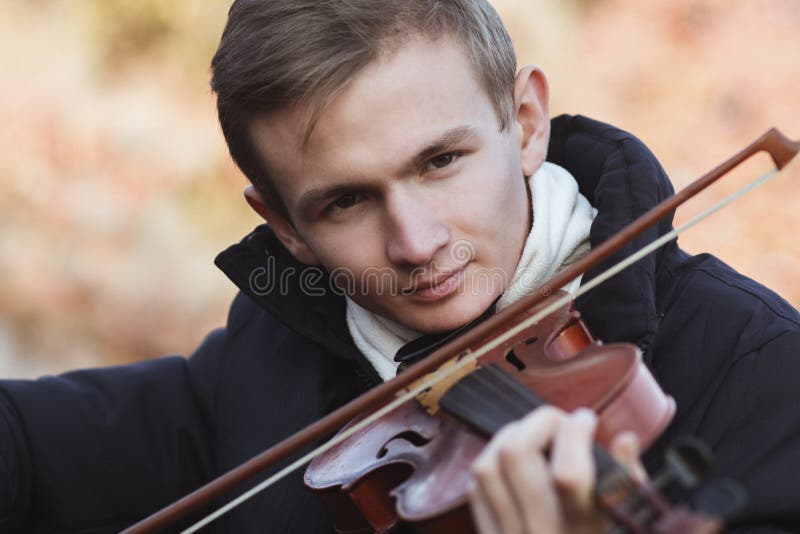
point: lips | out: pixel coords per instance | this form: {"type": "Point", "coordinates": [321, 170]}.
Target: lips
{"type": "Point", "coordinates": [436, 281]}
{"type": "Point", "coordinates": [439, 287]}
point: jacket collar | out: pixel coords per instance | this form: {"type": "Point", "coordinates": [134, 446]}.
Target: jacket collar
{"type": "Point", "coordinates": [615, 172]}
{"type": "Point", "coordinates": [300, 296]}
{"type": "Point", "coordinates": [620, 177]}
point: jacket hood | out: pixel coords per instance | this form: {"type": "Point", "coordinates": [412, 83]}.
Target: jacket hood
{"type": "Point", "coordinates": [622, 178]}
{"type": "Point", "coordinates": [615, 172]}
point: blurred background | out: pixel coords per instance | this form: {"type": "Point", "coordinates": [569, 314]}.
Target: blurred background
{"type": "Point", "coordinates": [116, 189]}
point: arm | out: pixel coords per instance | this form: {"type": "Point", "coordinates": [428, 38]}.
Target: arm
{"type": "Point", "coordinates": [753, 426]}
{"type": "Point", "coordinates": [96, 449]}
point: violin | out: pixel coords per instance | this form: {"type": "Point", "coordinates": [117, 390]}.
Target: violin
{"type": "Point", "coordinates": [565, 348]}
{"type": "Point", "coordinates": [411, 467]}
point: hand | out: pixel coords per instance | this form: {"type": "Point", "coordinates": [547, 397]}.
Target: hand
{"type": "Point", "coordinates": [538, 475]}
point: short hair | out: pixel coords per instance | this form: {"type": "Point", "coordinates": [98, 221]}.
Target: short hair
{"type": "Point", "coordinates": [279, 53]}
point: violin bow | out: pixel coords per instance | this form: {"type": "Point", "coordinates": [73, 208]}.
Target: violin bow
{"type": "Point", "coordinates": [780, 148]}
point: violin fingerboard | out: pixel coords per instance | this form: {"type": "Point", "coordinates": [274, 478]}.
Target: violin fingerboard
{"type": "Point", "coordinates": [489, 398]}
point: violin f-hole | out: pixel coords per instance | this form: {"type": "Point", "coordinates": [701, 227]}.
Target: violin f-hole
{"type": "Point", "coordinates": [409, 436]}
{"type": "Point", "coordinates": [514, 360]}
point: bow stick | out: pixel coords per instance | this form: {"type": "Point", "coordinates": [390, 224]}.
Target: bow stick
{"type": "Point", "coordinates": [781, 149]}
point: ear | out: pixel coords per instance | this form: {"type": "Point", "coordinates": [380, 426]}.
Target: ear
{"type": "Point", "coordinates": [532, 117]}
{"type": "Point", "coordinates": [282, 227]}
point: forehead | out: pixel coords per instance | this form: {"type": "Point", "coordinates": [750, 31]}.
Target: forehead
{"type": "Point", "coordinates": [393, 107]}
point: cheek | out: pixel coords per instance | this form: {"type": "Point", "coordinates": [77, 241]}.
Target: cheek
{"type": "Point", "coordinates": [349, 255]}
{"type": "Point", "coordinates": [498, 202]}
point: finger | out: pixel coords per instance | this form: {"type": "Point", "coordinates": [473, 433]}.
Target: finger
{"type": "Point", "coordinates": [482, 516]}
{"type": "Point", "coordinates": [534, 493]}
{"type": "Point", "coordinates": [534, 426]}
{"type": "Point", "coordinates": [572, 463]}
{"type": "Point", "coordinates": [514, 477]}
{"type": "Point", "coordinates": [491, 491]}
{"type": "Point", "coordinates": [626, 449]}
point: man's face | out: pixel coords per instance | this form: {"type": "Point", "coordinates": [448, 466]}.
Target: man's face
{"type": "Point", "coordinates": [407, 186]}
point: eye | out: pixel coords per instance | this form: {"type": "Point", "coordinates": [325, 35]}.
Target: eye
{"type": "Point", "coordinates": [443, 160]}
{"type": "Point", "coordinates": [345, 201]}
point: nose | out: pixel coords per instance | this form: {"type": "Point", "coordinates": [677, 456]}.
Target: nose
{"type": "Point", "coordinates": [416, 231]}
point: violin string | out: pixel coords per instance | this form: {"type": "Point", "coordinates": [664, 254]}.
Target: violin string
{"type": "Point", "coordinates": [613, 479]}
{"type": "Point", "coordinates": [492, 388]}
{"type": "Point", "coordinates": [462, 399]}
{"type": "Point", "coordinates": [470, 356]}
{"type": "Point", "coordinates": [486, 387]}
{"type": "Point", "coordinates": [613, 474]}
{"type": "Point", "coordinates": [514, 392]}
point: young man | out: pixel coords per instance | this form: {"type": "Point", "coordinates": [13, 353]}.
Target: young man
{"type": "Point", "coordinates": [395, 153]}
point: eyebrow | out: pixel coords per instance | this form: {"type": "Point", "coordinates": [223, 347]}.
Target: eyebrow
{"type": "Point", "coordinates": [447, 141]}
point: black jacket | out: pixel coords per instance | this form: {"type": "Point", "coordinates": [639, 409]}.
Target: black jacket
{"type": "Point", "coordinates": [91, 451]}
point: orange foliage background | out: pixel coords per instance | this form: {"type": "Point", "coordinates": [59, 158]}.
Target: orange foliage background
{"type": "Point", "coordinates": [116, 189]}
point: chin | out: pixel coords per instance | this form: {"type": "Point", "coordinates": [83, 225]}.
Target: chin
{"type": "Point", "coordinates": [450, 317]}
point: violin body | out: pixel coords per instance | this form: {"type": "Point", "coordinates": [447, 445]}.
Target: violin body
{"type": "Point", "coordinates": [411, 468]}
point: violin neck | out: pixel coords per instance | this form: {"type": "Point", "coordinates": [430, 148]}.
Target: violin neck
{"type": "Point", "coordinates": [489, 398]}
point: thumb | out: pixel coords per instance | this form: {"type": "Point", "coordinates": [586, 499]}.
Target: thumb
{"type": "Point", "coordinates": [626, 450]}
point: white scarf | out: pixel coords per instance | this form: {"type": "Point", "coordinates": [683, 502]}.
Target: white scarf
{"type": "Point", "coordinates": [559, 236]}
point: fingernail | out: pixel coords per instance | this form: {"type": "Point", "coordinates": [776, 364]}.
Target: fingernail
{"type": "Point", "coordinates": [585, 415]}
